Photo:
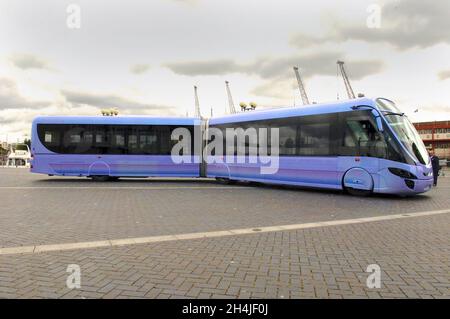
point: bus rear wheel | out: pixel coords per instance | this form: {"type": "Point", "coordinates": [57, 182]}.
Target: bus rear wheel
{"type": "Point", "coordinates": [224, 180]}
{"type": "Point", "coordinates": [104, 178]}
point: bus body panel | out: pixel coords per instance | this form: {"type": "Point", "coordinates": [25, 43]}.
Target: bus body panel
{"type": "Point", "coordinates": [322, 172]}
{"type": "Point", "coordinates": [114, 165]}
{"type": "Point", "coordinates": [387, 183]}
{"type": "Point", "coordinates": [292, 170]}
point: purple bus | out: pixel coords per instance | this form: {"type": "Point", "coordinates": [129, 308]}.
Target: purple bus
{"type": "Point", "coordinates": [361, 146]}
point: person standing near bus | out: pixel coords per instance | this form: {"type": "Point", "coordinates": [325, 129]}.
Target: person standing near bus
{"type": "Point", "coordinates": [436, 167]}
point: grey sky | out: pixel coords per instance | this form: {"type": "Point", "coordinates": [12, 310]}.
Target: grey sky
{"type": "Point", "coordinates": [144, 57]}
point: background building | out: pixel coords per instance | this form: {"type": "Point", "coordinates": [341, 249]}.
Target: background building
{"type": "Point", "coordinates": [4, 150]}
{"type": "Point", "coordinates": [436, 136]}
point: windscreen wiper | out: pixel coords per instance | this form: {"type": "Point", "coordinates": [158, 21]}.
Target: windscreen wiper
{"type": "Point", "coordinates": [391, 113]}
{"type": "Point", "coordinates": [355, 107]}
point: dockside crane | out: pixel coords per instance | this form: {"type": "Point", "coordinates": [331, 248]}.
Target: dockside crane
{"type": "Point", "coordinates": [230, 98]}
{"type": "Point", "coordinates": [301, 87]}
{"type": "Point", "coordinates": [197, 103]}
{"type": "Point", "coordinates": [348, 87]}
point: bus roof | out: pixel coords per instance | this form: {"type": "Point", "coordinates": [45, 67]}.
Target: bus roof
{"type": "Point", "coordinates": [117, 120]}
{"type": "Point", "coordinates": [283, 112]}
{"type": "Point", "coordinates": [313, 109]}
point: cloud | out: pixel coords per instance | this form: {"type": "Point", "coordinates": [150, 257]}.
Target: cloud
{"type": "Point", "coordinates": [28, 61]}
{"type": "Point", "coordinates": [405, 24]}
{"type": "Point", "coordinates": [18, 121]}
{"type": "Point", "coordinates": [444, 75]}
{"type": "Point", "coordinates": [16, 118]}
{"type": "Point", "coordinates": [110, 100]}
{"type": "Point", "coordinates": [277, 72]}
{"type": "Point", "coordinates": [212, 67]}
{"type": "Point", "coordinates": [311, 64]}
{"type": "Point", "coordinates": [301, 40]}
{"type": "Point", "coordinates": [436, 109]}
{"type": "Point", "coordinates": [277, 88]}
{"type": "Point", "coordinates": [139, 68]}
{"type": "Point", "coordinates": [10, 98]}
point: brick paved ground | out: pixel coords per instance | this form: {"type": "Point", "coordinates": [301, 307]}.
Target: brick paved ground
{"type": "Point", "coordinates": [325, 262]}
{"type": "Point", "coordinates": [42, 210]}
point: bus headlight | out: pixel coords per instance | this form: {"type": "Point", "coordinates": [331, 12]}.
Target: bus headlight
{"type": "Point", "coordinates": [402, 173]}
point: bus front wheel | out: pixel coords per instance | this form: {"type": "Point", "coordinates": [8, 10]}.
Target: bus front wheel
{"type": "Point", "coordinates": [357, 192]}
{"type": "Point", "coordinates": [358, 182]}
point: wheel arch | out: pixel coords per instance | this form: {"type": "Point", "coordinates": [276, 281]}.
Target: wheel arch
{"type": "Point", "coordinates": [358, 178]}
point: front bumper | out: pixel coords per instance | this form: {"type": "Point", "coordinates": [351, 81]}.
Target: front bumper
{"type": "Point", "coordinates": [388, 183]}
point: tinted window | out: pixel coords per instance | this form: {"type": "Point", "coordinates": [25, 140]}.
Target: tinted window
{"type": "Point", "coordinates": [360, 137]}
{"type": "Point", "coordinates": [338, 134]}
{"type": "Point", "coordinates": [314, 139]}
{"type": "Point", "coordinates": [288, 139]}
{"type": "Point", "coordinates": [109, 139]}
{"type": "Point", "coordinates": [305, 136]}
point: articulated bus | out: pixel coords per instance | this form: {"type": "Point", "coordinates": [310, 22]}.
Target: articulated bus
{"type": "Point", "coordinates": [361, 146]}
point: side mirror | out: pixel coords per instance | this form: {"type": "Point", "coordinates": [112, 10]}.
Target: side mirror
{"type": "Point", "coordinates": [379, 124]}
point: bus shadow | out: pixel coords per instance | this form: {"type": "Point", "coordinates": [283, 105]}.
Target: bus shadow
{"type": "Point", "coordinates": [148, 180]}
{"type": "Point", "coordinates": [211, 181]}
{"type": "Point", "coordinates": [315, 190]}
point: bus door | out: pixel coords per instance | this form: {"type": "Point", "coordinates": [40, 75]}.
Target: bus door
{"type": "Point", "coordinates": [362, 144]}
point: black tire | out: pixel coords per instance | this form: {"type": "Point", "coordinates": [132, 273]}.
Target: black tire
{"type": "Point", "coordinates": [357, 192]}
{"type": "Point", "coordinates": [224, 180]}
{"type": "Point", "coordinates": [100, 178]}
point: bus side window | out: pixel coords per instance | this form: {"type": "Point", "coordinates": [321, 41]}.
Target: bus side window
{"type": "Point", "coordinates": [132, 143]}
{"type": "Point", "coordinates": [101, 145]}
{"type": "Point", "coordinates": [361, 138]}
{"type": "Point", "coordinates": [288, 142]}
{"type": "Point", "coordinates": [117, 140]}
{"type": "Point", "coordinates": [148, 141]}
{"type": "Point", "coordinates": [314, 139]}
{"type": "Point", "coordinates": [48, 137]}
